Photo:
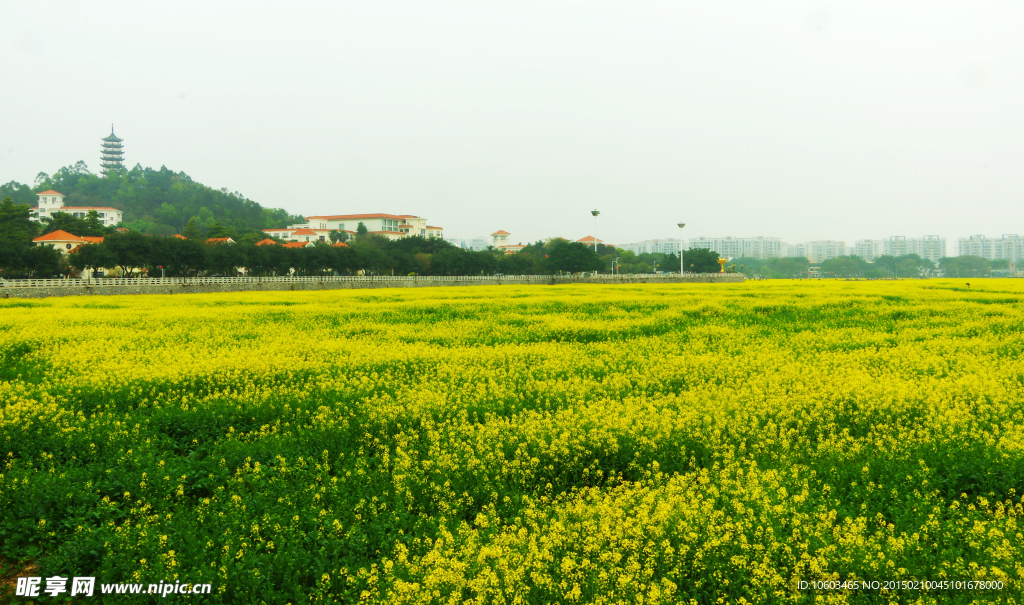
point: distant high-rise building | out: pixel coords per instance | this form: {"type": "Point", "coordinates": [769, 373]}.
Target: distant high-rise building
{"type": "Point", "coordinates": [975, 245]}
{"type": "Point", "coordinates": [651, 246]}
{"type": "Point", "coordinates": [1009, 247]}
{"type": "Point", "coordinates": [868, 249]}
{"type": "Point", "coordinates": [929, 247]}
{"type": "Point", "coordinates": [824, 249]}
{"type": "Point", "coordinates": [897, 245]}
{"type": "Point", "coordinates": [735, 247]}
{"type": "Point", "coordinates": [112, 153]}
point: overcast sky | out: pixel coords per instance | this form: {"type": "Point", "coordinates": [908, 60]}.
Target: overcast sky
{"type": "Point", "coordinates": [800, 120]}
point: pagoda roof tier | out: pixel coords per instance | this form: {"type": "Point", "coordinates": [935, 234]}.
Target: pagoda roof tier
{"type": "Point", "coordinates": [112, 136]}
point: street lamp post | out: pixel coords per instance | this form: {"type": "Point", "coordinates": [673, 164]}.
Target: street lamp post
{"type": "Point", "coordinates": [595, 213]}
{"type": "Point", "coordinates": [681, 272]}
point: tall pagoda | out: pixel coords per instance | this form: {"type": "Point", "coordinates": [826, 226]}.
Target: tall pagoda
{"type": "Point", "coordinates": [112, 156]}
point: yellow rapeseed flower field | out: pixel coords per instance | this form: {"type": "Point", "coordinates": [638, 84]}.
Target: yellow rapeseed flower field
{"type": "Point", "coordinates": [691, 443]}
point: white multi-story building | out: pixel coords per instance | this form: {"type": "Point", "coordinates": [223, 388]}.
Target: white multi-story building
{"type": "Point", "coordinates": [869, 249]}
{"type": "Point", "coordinates": [391, 226]}
{"type": "Point", "coordinates": [652, 246]}
{"type": "Point", "coordinates": [734, 247]}
{"type": "Point", "coordinates": [823, 250]}
{"type": "Point", "coordinates": [975, 245]}
{"type": "Point", "coordinates": [1009, 247]}
{"type": "Point", "coordinates": [51, 202]}
{"type": "Point", "coordinates": [794, 250]}
{"type": "Point", "coordinates": [302, 234]}
{"type": "Point", "coordinates": [499, 238]}
{"type": "Point", "coordinates": [929, 247]}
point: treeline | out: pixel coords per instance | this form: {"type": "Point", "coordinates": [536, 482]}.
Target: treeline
{"type": "Point", "coordinates": [133, 253]}
{"type": "Point", "coordinates": [909, 265]}
{"type": "Point", "coordinates": [697, 260]}
{"type": "Point", "coordinates": [156, 202]}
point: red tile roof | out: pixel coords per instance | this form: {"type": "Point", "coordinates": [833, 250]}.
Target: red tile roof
{"type": "Point", "coordinates": [49, 192]}
{"type": "Point", "coordinates": [59, 236]}
{"type": "Point", "coordinates": [438, 228]}
{"type": "Point", "coordinates": [304, 232]}
{"type": "Point", "coordinates": [92, 239]}
{"type": "Point", "coordinates": [266, 242]}
{"type": "Point", "coordinates": [335, 217]}
{"type": "Point", "coordinates": [218, 240]}
{"type": "Point", "coordinates": [501, 233]}
{"type": "Point", "coordinates": [88, 208]}
{"type": "Point", "coordinates": [589, 239]}
{"type": "Point", "coordinates": [297, 244]}
{"type": "Point", "coordinates": [339, 245]}
{"type": "Point", "coordinates": [180, 236]}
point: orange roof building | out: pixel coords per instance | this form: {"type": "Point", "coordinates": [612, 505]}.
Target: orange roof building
{"type": "Point", "coordinates": [219, 240]}
{"type": "Point", "coordinates": [63, 241]}
{"type": "Point", "coordinates": [266, 242]}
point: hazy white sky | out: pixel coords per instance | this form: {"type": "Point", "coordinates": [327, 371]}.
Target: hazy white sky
{"type": "Point", "coordinates": [801, 120]}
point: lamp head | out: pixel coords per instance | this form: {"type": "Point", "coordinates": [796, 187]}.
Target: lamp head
{"type": "Point", "coordinates": [594, 212]}
{"type": "Point", "coordinates": [681, 225]}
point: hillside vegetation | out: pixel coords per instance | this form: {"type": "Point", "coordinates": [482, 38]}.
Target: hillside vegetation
{"type": "Point", "coordinates": [158, 202]}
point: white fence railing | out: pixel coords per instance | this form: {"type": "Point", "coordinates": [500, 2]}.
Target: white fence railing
{"type": "Point", "coordinates": [199, 281]}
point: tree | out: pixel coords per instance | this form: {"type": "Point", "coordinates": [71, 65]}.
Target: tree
{"type": "Point", "coordinates": [338, 236]}
{"type": "Point", "coordinates": [42, 261]}
{"type": "Point", "coordinates": [790, 267]}
{"type": "Point", "coordinates": [572, 257]}
{"type": "Point", "coordinates": [361, 230]}
{"type": "Point", "coordinates": [964, 266]}
{"type": "Point", "coordinates": [16, 233]}
{"type": "Point", "coordinates": [843, 266]}
{"type": "Point", "coordinates": [90, 225]}
{"type": "Point", "coordinates": [225, 258]}
{"type": "Point", "coordinates": [16, 225]}
{"type": "Point", "coordinates": [91, 256]}
{"type": "Point", "coordinates": [701, 260]}
{"type": "Point", "coordinates": [217, 230]}
{"type": "Point", "coordinates": [129, 250]}
{"type": "Point", "coordinates": [192, 230]}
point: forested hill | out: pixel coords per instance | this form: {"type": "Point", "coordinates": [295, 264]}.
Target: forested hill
{"type": "Point", "coordinates": [154, 201]}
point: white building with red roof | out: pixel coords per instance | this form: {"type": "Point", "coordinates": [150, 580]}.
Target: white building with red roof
{"type": "Point", "coordinates": [298, 233]}
{"type": "Point", "coordinates": [391, 226]}
{"type": "Point", "coordinates": [499, 239]}
{"type": "Point", "coordinates": [52, 202]}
